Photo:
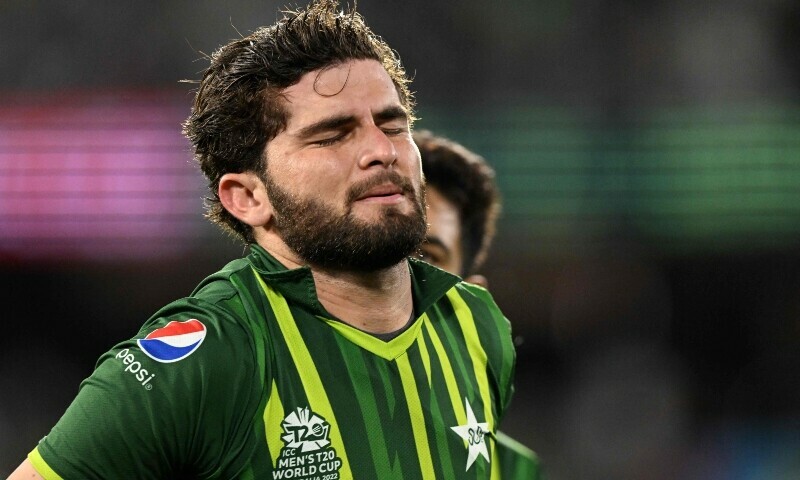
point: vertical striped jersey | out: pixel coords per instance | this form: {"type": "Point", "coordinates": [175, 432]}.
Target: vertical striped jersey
{"type": "Point", "coordinates": [251, 378]}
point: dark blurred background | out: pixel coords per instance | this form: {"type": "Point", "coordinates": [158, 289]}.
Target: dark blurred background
{"type": "Point", "coordinates": [648, 253]}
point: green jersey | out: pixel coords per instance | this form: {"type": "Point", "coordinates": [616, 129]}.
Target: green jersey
{"type": "Point", "coordinates": [250, 377]}
{"type": "Point", "coordinates": [517, 462]}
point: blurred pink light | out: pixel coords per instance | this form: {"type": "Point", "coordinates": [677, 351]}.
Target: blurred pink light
{"type": "Point", "coordinates": [96, 175]}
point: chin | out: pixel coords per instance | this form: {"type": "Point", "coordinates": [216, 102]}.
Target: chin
{"type": "Point", "coordinates": [381, 212]}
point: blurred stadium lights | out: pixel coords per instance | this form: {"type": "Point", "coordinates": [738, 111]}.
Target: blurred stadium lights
{"type": "Point", "coordinates": [96, 175]}
{"type": "Point", "coordinates": [108, 175]}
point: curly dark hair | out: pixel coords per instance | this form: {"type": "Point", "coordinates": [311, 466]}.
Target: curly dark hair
{"type": "Point", "coordinates": [465, 179]}
{"type": "Point", "coordinates": [238, 106]}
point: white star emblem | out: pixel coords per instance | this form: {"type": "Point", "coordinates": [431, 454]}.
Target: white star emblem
{"type": "Point", "coordinates": [473, 433]}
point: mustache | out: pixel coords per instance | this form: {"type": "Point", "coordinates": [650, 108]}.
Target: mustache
{"type": "Point", "coordinates": [362, 187]}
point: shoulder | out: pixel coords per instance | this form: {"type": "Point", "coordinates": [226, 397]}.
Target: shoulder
{"type": "Point", "coordinates": [477, 313]}
{"type": "Point", "coordinates": [477, 291]}
{"type": "Point", "coordinates": [225, 283]}
{"type": "Point", "coordinates": [193, 362]}
{"type": "Point", "coordinates": [219, 310]}
{"type": "Point", "coordinates": [480, 303]}
{"type": "Point", "coordinates": [493, 332]}
{"type": "Point", "coordinates": [189, 348]}
{"type": "Point", "coordinates": [202, 341]}
{"type": "Point", "coordinates": [213, 329]}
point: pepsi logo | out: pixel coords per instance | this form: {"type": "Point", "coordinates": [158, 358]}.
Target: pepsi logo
{"type": "Point", "coordinates": [174, 341]}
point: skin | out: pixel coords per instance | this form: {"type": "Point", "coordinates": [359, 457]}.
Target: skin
{"type": "Point", "coordinates": [442, 246]}
{"type": "Point", "coordinates": [25, 472]}
{"type": "Point", "coordinates": [317, 158]}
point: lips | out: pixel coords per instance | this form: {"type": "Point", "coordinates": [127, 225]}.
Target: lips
{"type": "Point", "coordinates": [384, 190]}
{"type": "Point", "coordinates": [383, 187]}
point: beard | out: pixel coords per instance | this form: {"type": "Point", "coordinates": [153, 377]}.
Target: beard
{"type": "Point", "coordinates": [330, 241]}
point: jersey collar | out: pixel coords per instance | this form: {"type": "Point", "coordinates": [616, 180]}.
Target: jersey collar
{"type": "Point", "coordinates": [428, 283]}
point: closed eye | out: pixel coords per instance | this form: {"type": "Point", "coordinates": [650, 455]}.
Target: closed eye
{"type": "Point", "coordinates": [393, 120]}
{"type": "Point", "coordinates": [325, 142]}
{"type": "Point", "coordinates": [394, 131]}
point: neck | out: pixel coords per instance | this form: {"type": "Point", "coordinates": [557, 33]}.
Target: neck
{"type": "Point", "coordinates": [376, 302]}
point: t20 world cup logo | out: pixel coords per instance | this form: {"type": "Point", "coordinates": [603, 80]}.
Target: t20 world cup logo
{"type": "Point", "coordinates": [305, 430]}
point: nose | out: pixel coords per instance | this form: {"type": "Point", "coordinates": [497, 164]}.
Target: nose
{"type": "Point", "coordinates": [377, 149]}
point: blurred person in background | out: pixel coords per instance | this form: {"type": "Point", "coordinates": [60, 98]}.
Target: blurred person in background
{"type": "Point", "coordinates": [463, 204]}
{"type": "Point", "coordinates": [328, 352]}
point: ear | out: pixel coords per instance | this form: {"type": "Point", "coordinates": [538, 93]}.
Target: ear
{"type": "Point", "coordinates": [244, 196]}
{"type": "Point", "coordinates": [478, 280]}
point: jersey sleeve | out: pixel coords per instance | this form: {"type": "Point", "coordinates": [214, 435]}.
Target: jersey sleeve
{"type": "Point", "coordinates": [176, 400]}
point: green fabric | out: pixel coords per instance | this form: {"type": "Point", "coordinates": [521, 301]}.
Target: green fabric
{"type": "Point", "coordinates": [517, 462]}
{"type": "Point", "coordinates": [279, 389]}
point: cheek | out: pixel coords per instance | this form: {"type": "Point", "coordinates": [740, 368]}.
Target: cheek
{"type": "Point", "coordinates": [329, 182]}
{"type": "Point", "coordinates": [408, 154]}
{"type": "Point", "coordinates": [314, 178]}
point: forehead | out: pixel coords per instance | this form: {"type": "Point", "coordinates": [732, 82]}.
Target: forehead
{"type": "Point", "coordinates": [352, 87]}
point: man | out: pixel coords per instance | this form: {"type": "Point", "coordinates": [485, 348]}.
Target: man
{"type": "Point", "coordinates": [463, 203]}
{"type": "Point", "coordinates": [326, 353]}
{"type": "Point", "coordinates": [462, 206]}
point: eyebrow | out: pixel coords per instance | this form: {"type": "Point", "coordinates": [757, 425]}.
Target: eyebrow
{"type": "Point", "coordinates": [338, 121]}
{"type": "Point", "coordinates": [395, 112]}
{"type": "Point", "coordinates": [434, 240]}
{"type": "Point", "coordinates": [326, 124]}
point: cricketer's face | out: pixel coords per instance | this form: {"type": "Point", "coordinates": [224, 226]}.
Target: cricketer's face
{"type": "Point", "coordinates": [344, 177]}
{"type": "Point", "coordinates": [442, 246]}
